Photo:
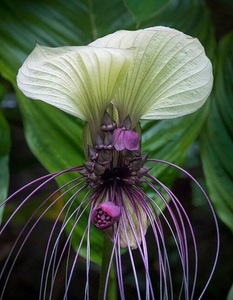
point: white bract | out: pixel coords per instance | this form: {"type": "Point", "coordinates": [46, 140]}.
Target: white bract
{"type": "Point", "coordinates": [153, 73]}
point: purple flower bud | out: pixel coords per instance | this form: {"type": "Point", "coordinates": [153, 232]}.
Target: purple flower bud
{"type": "Point", "coordinates": [125, 139]}
{"type": "Point", "coordinates": [105, 215]}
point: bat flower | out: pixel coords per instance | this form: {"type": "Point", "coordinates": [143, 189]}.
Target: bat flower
{"type": "Point", "coordinates": [111, 84]}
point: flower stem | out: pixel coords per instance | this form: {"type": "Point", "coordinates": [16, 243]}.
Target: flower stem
{"type": "Point", "coordinates": [111, 285]}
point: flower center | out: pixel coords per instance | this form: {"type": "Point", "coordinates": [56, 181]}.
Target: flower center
{"type": "Point", "coordinates": [122, 173]}
{"type": "Point", "coordinates": [115, 164]}
{"type": "Point", "coordinates": [116, 155]}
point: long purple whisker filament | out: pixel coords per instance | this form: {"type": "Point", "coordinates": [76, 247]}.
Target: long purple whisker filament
{"type": "Point", "coordinates": [130, 254]}
{"type": "Point", "coordinates": [143, 248]}
{"type": "Point", "coordinates": [158, 234]}
{"type": "Point", "coordinates": [69, 236]}
{"type": "Point", "coordinates": [181, 250]}
{"type": "Point", "coordinates": [114, 251]}
{"type": "Point", "coordinates": [119, 265]}
{"type": "Point", "coordinates": [137, 194]}
{"type": "Point", "coordinates": [213, 214]}
{"type": "Point", "coordinates": [50, 177]}
{"type": "Point", "coordinates": [132, 264]}
{"type": "Point", "coordinates": [30, 231]}
{"type": "Point", "coordinates": [68, 277]}
{"type": "Point", "coordinates": [183, 242]}
{"type": "Point", "coordinates": [69, 202]}
{"type": "Point", "coordinates": [88, 258]}
{"type": "Point", "coordinates": [27, 223]}
{"type": "Point", "coordinates": [163, 259]}
{"type": "Point", "coordinates": [145, 263]}
{"type": "Point", "coordinates": [77, 254]}
{"type": "Point", "coordinates": [131, 194]}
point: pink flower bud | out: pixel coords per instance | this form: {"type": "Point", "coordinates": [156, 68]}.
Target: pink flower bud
{"type": "Point", "coordinates": [105, 215]}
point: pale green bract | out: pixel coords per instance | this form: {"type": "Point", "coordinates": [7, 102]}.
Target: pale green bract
{"type": "Point", "coordinates": [78, 80]}
{"type": "Point", "coordinates": [153, 73]}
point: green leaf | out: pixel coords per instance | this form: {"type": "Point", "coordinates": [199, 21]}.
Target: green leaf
{"type": "Point", "coordinates": [192, 17]}
{"type": "Point", "coordinates": [144, 9]}
{"type": "Point", "coordinates": [4, 155]}
{"type": "Point", "coordinates": [217, 137]}
{"type": "Point", "coordinates": [230, 294]}
{"type": "Point", "coordinates": [54, 137]}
